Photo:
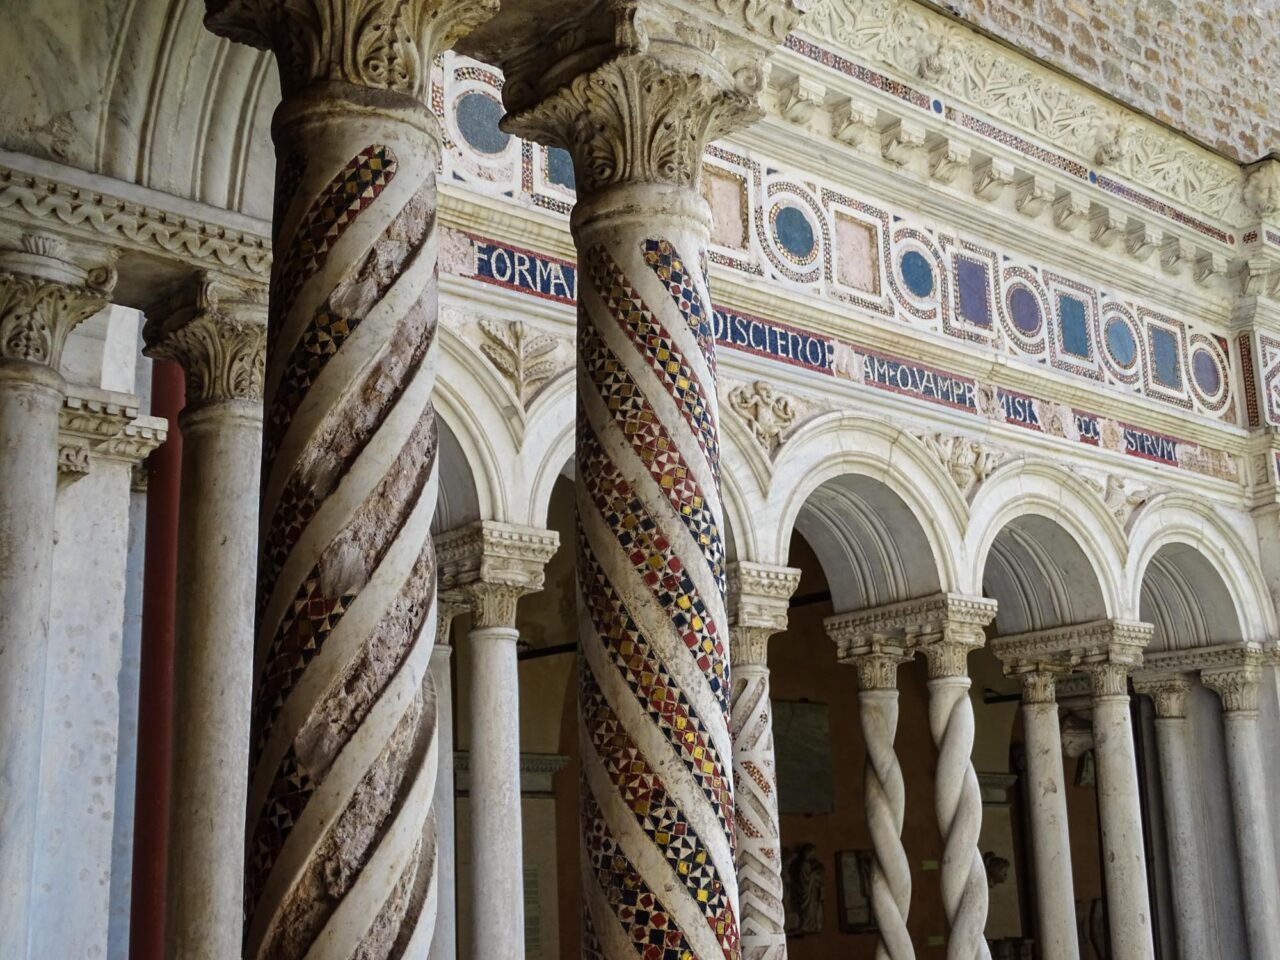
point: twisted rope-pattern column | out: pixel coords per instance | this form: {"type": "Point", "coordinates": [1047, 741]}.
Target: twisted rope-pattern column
{"type": "Point", "coordinates": [341, 852]}
{"type": "Point", "coordinates": [958, 799]}
{"type": "Point", "coordinates": [759, 854]}
{"type": "Point", "coordinates": [885, 801]}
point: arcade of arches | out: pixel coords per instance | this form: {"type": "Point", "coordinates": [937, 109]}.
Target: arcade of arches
{"type": "Point", "coordinates": [637, 480]}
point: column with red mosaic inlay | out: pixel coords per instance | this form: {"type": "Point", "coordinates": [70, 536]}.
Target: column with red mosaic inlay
{"type": "Point", "coordinates": [341, 848]}
{"type": "Point", "coordinates": [634, 92]}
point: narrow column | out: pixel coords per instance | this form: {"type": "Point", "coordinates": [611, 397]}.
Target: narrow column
{"type": "Point", "coordinates": [1186, 865]}
{"type": "Point", "coordinates": [341, 860]}
{"type": "Point", "coordinates": [957, 796]}
{"type": "Point", "coordinates": [1047, 796]}
{"type": "Point", "coordinates": [758, 599]}
{"type": "Point", "coordinates": [491, 565]}
{"type": "Point", "coordinates": [444, 945]}
{"type": "Point", "coordinates": [634, 92]}
{"type": "Point", "coordinates": [1119, 809]}
{"type": "Point", "coordinates": [1238, 688]}
{"type": "Point", "coordinates": [45, 292]}
{"type": "Point", "coordinates": [216, 330]}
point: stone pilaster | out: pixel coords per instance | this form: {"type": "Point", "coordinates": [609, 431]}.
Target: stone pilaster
{"type": "Point", "coordinates": [1186, 864]}
{"type": "Point", "coordinates": [46, 290]}
{"type": "Point", "coordinates": [488, 567]}
{"type": "Point", "coordinates": [634, 92]}
{"type": "Point", "coordinates": [758, 598]}
{"type": "Point", "coordinates": [215, 329]}
{"type": "Point", "coordinates": [341, 857]}
{"type": "Point", "coordinates": [1237, 684]}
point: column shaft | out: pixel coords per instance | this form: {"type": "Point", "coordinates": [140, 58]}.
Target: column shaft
{"type": "Point", "coordinates": [1186, 865]}
{"type": "Point", "coordinates": [444, 945]}
{"type": "Point", "coordinates": [497, 874]}
{"type": "Point", "coordinates": [1050, 842]}
{"type": "Point", "coordinates": [30, 397]}
{"type": "Point", "coordinates": [759, 853]}
{"type": "Point", "coordinates": [1119, 809]}
{"type": "Point", "coordinates": [1254, 842]}
{"type": "Point", "coordinates": [885, 802]}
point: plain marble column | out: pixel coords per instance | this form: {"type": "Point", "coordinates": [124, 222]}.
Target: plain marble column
{"type": "Point", "coordinates": [1047, 810]}
{"type": "Point", "coordinates": [1186, 865]}
{"type": "Point", "coordinates": [1120, 811]}
{"type": "Point", "coordinates": [1238, 688]}
{"type": "Point", "coordinates": [42, 298]}
{"type": "Point", "coordinates": [216, 330]}
{"type": "Point", "coordinates": [444, 945]}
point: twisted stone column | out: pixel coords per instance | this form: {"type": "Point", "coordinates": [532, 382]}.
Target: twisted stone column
{"type": "Point", "coordinates": [444, 945]}
{"type": "Point", "coordinates": [491, 566]}
{"type": "Point", "coordinates": [1186, 865]}
{"type": "Point", "coordinates": [758, 599]}
{"type": "Point", "coordinates": [216, 330]}
{"type": "Point", "coordinates": [1119, 809]}
{"type": "Point", "coordinates": [958, 798]}
{"type": "Point", "coordinates": [341, 857]}
{"type": "Point", "coordinates": [634, 92]}
{"type": "Point", "coordinates": [885, 797]}
{"type": "Point", "coordinates": [1047, 806]}
{"type": "Point", "coordinates": [46, 290]}
{"type": "Point", "coordinates": [1238, 688]}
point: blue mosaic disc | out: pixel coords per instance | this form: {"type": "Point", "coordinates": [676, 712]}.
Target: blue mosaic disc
{"type": "Point", "coordinates": [917, 273]}
{"type": "Point", "coordinates": [1024, 306]}
{"type": "Point", "coordinates": [560, 167]}
{"type": "Point", "coordinates": [477, 115]}
{"type": "Point", "coordinates": [794, 233]}
{"type": "Point", "coordinates": [1206, 371]}
{"type": "Point", "coordinates": [1120, 343]}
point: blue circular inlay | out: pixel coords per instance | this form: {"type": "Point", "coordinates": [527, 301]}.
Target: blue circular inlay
{"type": "Point", "coordinates": [917, 273]}
{"type": "Point", "coordinates": [1120, 343]}
{"type": "Point", "coordinates": [937, 106]}
{"type": "Point", "coordinates": [560, 167]}
{"type": "Point", "coordinates": [1206, 371]}
{"type": "Point", "coordinates": [478, 115]}
{"type": "Point", "coordinates": [1025, 309]}
{"type": "Point", "coordinates": [1093, 177]}
{"type": "Point", "coordinates": [794, 233]}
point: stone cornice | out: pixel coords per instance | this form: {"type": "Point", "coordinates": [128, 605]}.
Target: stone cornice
{"type": "Point", "coordinates": [1158, 663]}
{"type": "Point", "coordinates": [942, 617]}
{"type": "Point", "coordinates": [98, 424]}
{"type": "Point", "coordinates": [489, 565]}
{"type": "Point", "coordinates": [1118, 642]}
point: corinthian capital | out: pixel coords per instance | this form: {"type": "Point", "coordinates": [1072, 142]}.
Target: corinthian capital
{"type": "Point", "coordinates": [634, 89]}
{"type": "Point", "coordinates": [489, 566]}
{"type": "Point", "coordinates": [1237, 686]}
{"type": "Point", "coordinates": [45, 293]}
{"type": "Point", "coordinates": [379, 44]}
{"type": "Point", "coordinates": [1169, 694]}
{"type": "Point", "coordinates": [216, 329]}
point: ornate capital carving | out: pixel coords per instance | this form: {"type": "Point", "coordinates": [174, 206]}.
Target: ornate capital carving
{"type": "Point", "coordinates": [1107, 678]}
{"type": "Point", "coordinates": [216, 329]}
{"type": "Point", "coordinates": [379, 44]}
{"type": "Point", "coordinates": [749, 645]}
{"type": "Point", "coordinates": [1039, 684]}
{"type": "Point", "coordinates": [949, 658]}
{"type": "Point", "coordinates": [878, 668]}
{"type": "Point", "coordinates": [634, 89]}
{"type": "Point", "coordinates": [1169, 694]}
{"type": "Point", "coordinates": [446, 610]}
{"type": "Point", "coordinates": [43, 297]}
{"type": "Point", "coordinates": [1237, 686]}
{"type": "Point", "coordinates": [489, 566]}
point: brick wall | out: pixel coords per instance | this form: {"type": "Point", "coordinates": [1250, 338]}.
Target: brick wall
{"type": "Point", "coordinates": [1210, 68]}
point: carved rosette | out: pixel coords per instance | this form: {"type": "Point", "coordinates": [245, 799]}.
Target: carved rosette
{"type": "Point", "coordinates": [342, 850]}
{"type": "Point", "coordinates": [216, 330]}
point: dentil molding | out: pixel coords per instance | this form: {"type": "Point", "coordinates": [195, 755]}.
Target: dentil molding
{"type": "Point", "coordinates": [98, 424]}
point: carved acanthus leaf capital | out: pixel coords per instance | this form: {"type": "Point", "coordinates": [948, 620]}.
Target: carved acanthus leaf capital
{"type": "Point", "coordinates": [749, 645]}
{"type": "Point", "coordinates": [216, 330]}
{"type": "Point", "coordinates": [878, 667]}
{"type": "Point", "coordinates": [378, 44]}
{"type": "Point", "coordinates": [1107, 678]}
{"type": "Point", "coordinates": [1039, 684]}
{"type": "Point", "coordinates": [1236, 686]}
{"type": "Point", "coordinates": [1169, 694]}
{"type": "Point", "coordinates": [43, 297]}
{"type": "Point", "coordinates": [489, 566]}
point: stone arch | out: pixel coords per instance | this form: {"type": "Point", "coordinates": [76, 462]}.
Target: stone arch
{"type": "Point", "coordinates": [1046, 548]}
{"type": "Point", "coordinates": [883, 516]}
{"type": "Point", "coordinates": [548, 448]}
{"type": "Point", "coordinates": [1194, 577]}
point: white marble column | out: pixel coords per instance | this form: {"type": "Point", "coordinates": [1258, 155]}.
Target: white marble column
{"type": "Point", "coordinates": [216, 330]}
{"type": "Point", "coordinates": [1186, 864]}
{"type": "Point", "coordinates": [758, 598]}
{"type": "Point", "coordinates": [1119, 809]}
{"type": "Point", "coordinates": [1047, 803]}
{"type": "Point", "coordinates": [444, 946]}
{"type": "Point", "coordinates": [46, 290]}
{"type": "Point", "coordinates": [1238, 688]}
{"type": "Point", "coordinates": [490, 566]}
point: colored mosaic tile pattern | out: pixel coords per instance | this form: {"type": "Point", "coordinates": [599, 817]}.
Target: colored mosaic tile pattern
{"type": "Point", "coordinates": [663, 260]}
{"type": "Point", "coordinates": [296, 507]}
{"type": "Point", "coordinates": [643, 917]}
{"type": "Point", "coordinates": [347, 195]}
{"type": "Point", "coordinates": [858, 72]}
{"type": "Point", "coordinates": [287, 797]}
{"type": "Point", "coordinates": [1159, 206]}
{"type": "Point", "coordinates": [657, 812]}
{"type": "Point", "coordinates": [650, 552]}
{"type": "Point", "coordinates": [653, 445]}
{"type": "Point", "coordinates": [650, 680]}
{"type": "Point", "coordinates": [658, 348]}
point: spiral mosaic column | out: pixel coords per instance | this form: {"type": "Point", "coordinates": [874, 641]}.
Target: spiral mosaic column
{"type": "Point", "coordinates": [341, 852]}
{"type": "Point", "coordinates": [662, 79]}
